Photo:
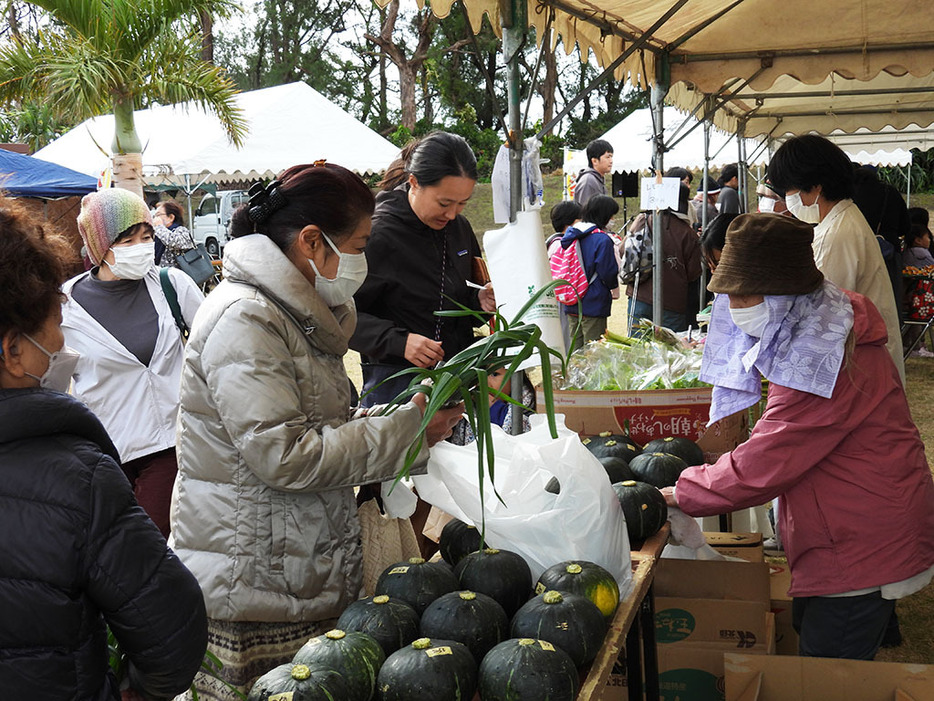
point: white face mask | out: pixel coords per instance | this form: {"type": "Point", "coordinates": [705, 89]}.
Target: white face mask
{"type": "Point", "coordinates": [766, 204]}
{"type": "Point", "coordinates": [133, 262]}
{"type": "Point", "coordinates": [751, 320]}
{"type": "Point", "coordinates": [809, 213]}
{"type": "Point", "coordinates": [62, 364]}
{"type": "Point", "coordinates": [351, 272]}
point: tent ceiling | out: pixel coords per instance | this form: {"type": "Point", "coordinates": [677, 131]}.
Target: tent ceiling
{"type": "Point", "coordinates": [288, 124]}
{"type": "Point", "coordinates": [882, 51]}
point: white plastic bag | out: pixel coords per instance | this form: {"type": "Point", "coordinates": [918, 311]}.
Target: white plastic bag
{"type": "Point", "coordinates": [582, 522]}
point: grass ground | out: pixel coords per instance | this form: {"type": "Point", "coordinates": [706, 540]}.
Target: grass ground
{"type": "Point", "coordinates": [916, 613]}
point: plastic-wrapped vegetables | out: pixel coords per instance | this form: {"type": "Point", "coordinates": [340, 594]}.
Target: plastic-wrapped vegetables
{"type": "Point", "coordinates": [632, 364]}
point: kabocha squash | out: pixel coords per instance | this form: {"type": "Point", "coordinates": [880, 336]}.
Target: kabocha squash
{"type": "Point", "coordinates": [568, 621]}
{"type": "Point", "coordinates": [684, 448]}
{"type": "Point", "coordinates": [583, 578]}
{"type": "Point", "coordinates": [416, 582]}
{"type": "Point", "coordinates": [658, 469]}
{"type": "Point", "coordinates": [390, 622]}
{"type": "Point", "coordinates": [457, 540]}
{"type": "Point", "coordinates": [356, 656]}
{"type": "Point", "coordinates": [617, 469]}
{"type": "Point", "coordinates": [428, 670]}
{"type": "Point", "coordinates": [471, 618]}
{"type": "Point", "coordinates": [501, 574]}
{"type": "Point", "coordinates": [523, 669]}
{"type": "Point", "coordinates": [612, 445]}
{"type": "Point", "coordinates": [300, 682]}
{"type": "Point", "coordinates": [644, 508]}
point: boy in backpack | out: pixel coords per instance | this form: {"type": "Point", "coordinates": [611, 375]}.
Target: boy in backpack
{"type": "Point", "coordinates": [598, 259]}
{"type": "Point", "coordinates": [590, 181]}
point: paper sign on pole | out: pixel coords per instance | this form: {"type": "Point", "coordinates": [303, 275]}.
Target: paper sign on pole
{"type": "Point", "coordinates": [659, 193]}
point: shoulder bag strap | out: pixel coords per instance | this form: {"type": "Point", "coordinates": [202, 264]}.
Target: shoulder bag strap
{"type": "Point", "coordinates": [168, 289]}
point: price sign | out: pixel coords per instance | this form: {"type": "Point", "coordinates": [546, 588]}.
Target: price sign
{"type": "Point", "coordinates": [659, 193]}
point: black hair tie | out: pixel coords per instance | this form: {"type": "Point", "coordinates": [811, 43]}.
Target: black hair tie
{"type": "Point", "coordinates": [264, 201]}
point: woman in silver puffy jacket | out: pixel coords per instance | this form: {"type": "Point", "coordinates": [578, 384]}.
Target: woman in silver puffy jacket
{"type": "Point", "coordinates": [263, 511]}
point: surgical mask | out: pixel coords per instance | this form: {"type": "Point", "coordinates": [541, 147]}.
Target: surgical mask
{"type": "Point", "coordinates": [62, 364]}
{"type": "Point", "coordinates": [766, 204]}
{"type": "Point", "coordinates": [751, 320]}
{"type": "Point", "coordinates": [809, 213]}
{"type": "Point", "coordinates": [133, 262]}
{"type": "Point", "coordinates": [351, 272]}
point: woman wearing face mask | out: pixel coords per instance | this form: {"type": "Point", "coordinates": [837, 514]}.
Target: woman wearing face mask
{"type": "Point", "coordinates": [836, 442]}
{"type": "Point", "coordinates": [818, 181]}
{"type": "Point", "coordinates": [420, 259]}
{"type": "Point", "coordinates": [118, 319]}
{"type": "Point", "coordinates": [264, 512]}
{"type": "Point", "coordinates": [77, 552]}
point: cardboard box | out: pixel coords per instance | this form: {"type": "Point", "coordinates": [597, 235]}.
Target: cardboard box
{"type": "Point", "coordinates": [758, 678]}
{"type": "Point", "coordinates": [745, 546]}
{"type": "Point", "coordinates": [786, 639]}
{"type": "Point", "coordinates": [651, 414]}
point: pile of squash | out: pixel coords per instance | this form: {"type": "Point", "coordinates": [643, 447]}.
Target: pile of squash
{"type": "Point", "coordinates": [637, 473]}
{"type": "Point", "coordinates": [472, 622]}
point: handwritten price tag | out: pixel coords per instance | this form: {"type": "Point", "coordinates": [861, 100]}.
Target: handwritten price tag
{"type": "Point", "coordinates": [659, 193]}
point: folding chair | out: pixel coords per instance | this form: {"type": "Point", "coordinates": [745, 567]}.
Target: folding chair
{"type": "Point", "coordinates": [919, 312]}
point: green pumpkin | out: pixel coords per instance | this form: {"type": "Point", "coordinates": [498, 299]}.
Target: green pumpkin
{"type": "Point", "coordinates": [428, 670]}
{"type": "Point", "coordinates": [390, 622]}
{"type": "Point", "coordinates": [568, 621]}
{"type": "Point", "coordinates": [471, 618]}
{"type": "Point", "coordinates": [644, 509]}
{"type": "Point", "coordinates": [617, 469]}
{"type": "Point", "coordinates": [524, 669]}
{"type": "Point", "coordinates": [501, 574]}
{"type": "Point", "coordinates": [355, 656]}
{"type": "Point", "coordinates": [416, 582]}
{"type": "Point", "coordinates": [612, 445]}
{"type": "Point", "coordinates": [299, 682]}
{"type": "Point", "coordinates": [583, 578]}
{"type": "Point", "coordinates": [457, 540]}
{"type": "Point", "coordinates": [658, 469]}
{"type": "Point", "coordinates": [684, 448]}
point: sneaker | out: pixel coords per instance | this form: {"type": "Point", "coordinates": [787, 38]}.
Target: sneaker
{"type": "Point", "coordinates": [922, 353]}
{"type": "Point", "coordinates": [772, 543]}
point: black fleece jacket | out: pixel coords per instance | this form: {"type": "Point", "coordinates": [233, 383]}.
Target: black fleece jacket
{"type": "Point", "coordinates": [76, 552]}
{"type": "Point", "coordinates": [404, 284]}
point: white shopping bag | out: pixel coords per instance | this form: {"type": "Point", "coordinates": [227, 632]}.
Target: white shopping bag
{"type": "Point", "coordinates": [582, 522]}
{"type": "Point", "coordinates": [518, 264]}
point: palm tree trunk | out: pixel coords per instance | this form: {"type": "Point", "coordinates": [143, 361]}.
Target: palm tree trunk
{"type": "Point", "coordinates": [126, 147]}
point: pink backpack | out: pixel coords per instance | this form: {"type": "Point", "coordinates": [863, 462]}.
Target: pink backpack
{"type": "Point", "coordinates": [567, 264]}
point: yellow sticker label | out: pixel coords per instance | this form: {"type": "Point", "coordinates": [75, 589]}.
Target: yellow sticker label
{"type": "Point", "coordinates": [442, 650]}
{"type": "Point", "coordinates": [399, 570]}
{"type": "Point", "coordinates": [539, 588]}
{"type": "Point", "coordinates": [284, 696]}
{"type": "Point", "coordinates": [546, 645]}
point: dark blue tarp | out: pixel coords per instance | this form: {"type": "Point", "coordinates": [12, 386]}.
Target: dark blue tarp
{"type": "Point", "coordinates": [25, 176]}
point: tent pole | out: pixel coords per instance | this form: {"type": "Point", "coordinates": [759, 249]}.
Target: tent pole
{"type": "Point", "coordinates": [703, 214]}
{"type": "Point", "coordinates": [741, 165]}
{"type": "Point", "coordinates": [513, 13]}
{"type": "Point", "coordinates": [659, 90]}
{"type": "Point", "coordinates": [191, 224]}
{"type": "Point", "coordinates": [908, 178]}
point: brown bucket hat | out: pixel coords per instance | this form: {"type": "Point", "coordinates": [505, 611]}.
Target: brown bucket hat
{"type": "Point", "coordinates": [767, 254]}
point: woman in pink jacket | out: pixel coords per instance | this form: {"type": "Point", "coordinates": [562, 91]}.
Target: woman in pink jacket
{"type": "Point", "coordinates": [836, 442]}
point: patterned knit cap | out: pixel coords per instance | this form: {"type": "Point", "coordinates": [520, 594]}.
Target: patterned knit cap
{"type": "Point", "coordinates": [105, 215]}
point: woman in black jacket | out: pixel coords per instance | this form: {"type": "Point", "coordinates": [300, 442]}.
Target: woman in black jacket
{"type": "Point", "coordinates": [420, 256]}
{"type": "Point", "coordinates": [77, 554]}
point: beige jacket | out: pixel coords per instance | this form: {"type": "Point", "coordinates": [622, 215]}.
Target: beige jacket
{"type": "Point", "coordinates": [263, 511]}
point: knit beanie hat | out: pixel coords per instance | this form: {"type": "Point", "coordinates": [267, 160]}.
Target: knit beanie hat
{"type": "Point", "coordinates": [105, 215]}
{"type": "Point", "coordinates": [767, 254]}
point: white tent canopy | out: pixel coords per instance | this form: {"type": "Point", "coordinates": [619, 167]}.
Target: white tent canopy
{"type": "Point", "coordinates": [288, 124]}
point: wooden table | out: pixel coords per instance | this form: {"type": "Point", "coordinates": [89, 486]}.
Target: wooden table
{"type": "Point", "coordinates": [633, 625]}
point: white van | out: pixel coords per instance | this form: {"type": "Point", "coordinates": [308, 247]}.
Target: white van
{"type": "Point", "coordinates": [212, 218]}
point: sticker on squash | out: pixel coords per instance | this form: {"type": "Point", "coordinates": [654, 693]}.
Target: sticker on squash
{"type": "Point", "coordinates": [546, 645]}
{"type": "Point", "coordinates": [539, 588]}
{"type": "Point", "coordinates": [399, 570]}
{"type": "Point", "coordinates": [284, 696]}
{"type": "Point", "coordinates": [441, 650]}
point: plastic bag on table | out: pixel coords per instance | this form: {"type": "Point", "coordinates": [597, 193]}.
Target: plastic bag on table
{"type": "Point", "coordinates": [582, 522]}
